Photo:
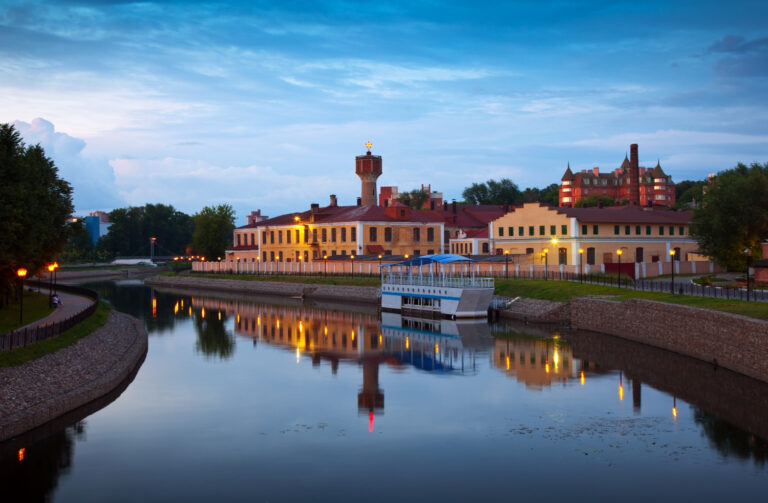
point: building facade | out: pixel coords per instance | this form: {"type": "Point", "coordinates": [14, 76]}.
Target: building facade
{"type": "Point", "coordinates": [556, 235]}
{"type": "Point", "coordinates": [629, 184]}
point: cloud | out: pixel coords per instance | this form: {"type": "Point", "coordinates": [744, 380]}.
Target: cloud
{"type": "Point", "coordinates": [738, 44]}
{"type": "Point", "coordinates": [92, 179]}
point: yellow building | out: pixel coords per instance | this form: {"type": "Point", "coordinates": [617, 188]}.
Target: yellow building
{"type": "Point", "coordinates": [339, 231]}
{"type": "Point", "coordinates": [643, 235]}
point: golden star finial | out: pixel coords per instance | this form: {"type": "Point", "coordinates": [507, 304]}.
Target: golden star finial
{"type": "Point", "coordinates": [368, 145]}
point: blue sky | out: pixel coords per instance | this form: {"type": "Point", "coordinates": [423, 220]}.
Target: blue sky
{"type": "Point", "coordinates": [265, 104]}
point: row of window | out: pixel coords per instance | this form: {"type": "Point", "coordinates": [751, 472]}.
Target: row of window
{"type": "Point", "coordinates": [373, 234]}
{"type": "Point", "coordinates": [531, 229]}
{"type": "Point", "coordinates": [278, 256]}
{"type": "Point", "coordinates": [638, 230]}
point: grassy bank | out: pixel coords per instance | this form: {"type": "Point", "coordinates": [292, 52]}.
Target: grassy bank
{"type": "Point", "coordinates": [35, 307]}
{"type": "Point", "coordinates": [21, 355]}
{"type": "Point", "coordinates": [312, 280]}
{"type": "Point", "coordinates": [564, 291]}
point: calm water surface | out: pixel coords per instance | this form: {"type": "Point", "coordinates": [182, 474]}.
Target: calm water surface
{"type": "Point", "coordinates": [270, 400]}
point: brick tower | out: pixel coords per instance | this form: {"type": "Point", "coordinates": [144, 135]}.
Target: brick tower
{"type": "Point", "coordinates": [634, 176]}
{"type": "Point", "coordinates": [368, 168]}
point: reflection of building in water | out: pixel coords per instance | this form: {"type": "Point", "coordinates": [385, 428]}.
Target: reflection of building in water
{"type": "Point", "coordinates": [538, 362]}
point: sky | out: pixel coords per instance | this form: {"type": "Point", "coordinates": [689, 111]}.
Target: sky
{"type": "Point", "coordinates": [264, 105]}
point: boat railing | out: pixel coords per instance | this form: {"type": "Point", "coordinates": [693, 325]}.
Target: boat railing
{"type": "Point", "coordinates": [438, 281]}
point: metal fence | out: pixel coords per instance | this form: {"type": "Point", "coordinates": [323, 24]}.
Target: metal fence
{"type": "Point", "coordinates": [32, 335]}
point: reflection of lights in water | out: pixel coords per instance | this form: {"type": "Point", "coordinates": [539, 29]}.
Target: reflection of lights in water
{"type": "Point", "coordinates": [507, 362]}
{"type": "Point", "coordinates": [182, 303]}
{"type": "Point", "coordinates": [370, 422]}
{"type": "Point", "coordinates": [278, 324]}
{"type": "Point", "coordinates": [238, 318]}
{"type": "Point", "coordinates": [380, 339]}
{"type": "Point", "coordinates": [176, 309]}
{"type": "Point", "coordinates": [258, 320]}
{"type": "Point", "coordinates": [437, 349]}
{"type": "Point", "coordinates": [298, 355]}
{"type": "Point", "coordinates": [325, 330]}
{"type": "Point", "coordinates": [154, 307]}
{"type": "Point", "coordinates": [202, 313]}
{"type": "Point", "coordinates": [581, 377]}
{"type": "Point", "coordinates": [621, 391]}
{"type": "Point", "coordinates": [219, 315]}
{"type": "Point", "coordinates": [674, 407]}
{"type": "Point", "coordinates": [353, 335]}
{"type": "Point", "coordinates": [546, 366]}
{"type": "Point", "coordinates": [556, 359]}
{"type": "Point", "coordinates": [190, 311]}
{"type": "Point", "coordinates": [22, 451]}
{"type": "Point", "coordinates": [407, 343]}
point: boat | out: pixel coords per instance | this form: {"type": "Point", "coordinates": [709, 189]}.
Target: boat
{"type": "Point", "coordinates": [447, 289]}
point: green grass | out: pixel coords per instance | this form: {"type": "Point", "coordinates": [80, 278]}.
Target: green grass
{"type": "Point", "coordinates": [21, 355]}
{"type": "Point", "coordinates": [314, 280]}
{"type": "Point", "coordinates": [35, 307]}
{"type": "Point", "coordinates": [102, 267]}
{"type": "Point", "coordinates": [564, 291]}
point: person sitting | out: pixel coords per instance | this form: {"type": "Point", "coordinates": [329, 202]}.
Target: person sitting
{"type": "Point", "coordinates": [56, 301]}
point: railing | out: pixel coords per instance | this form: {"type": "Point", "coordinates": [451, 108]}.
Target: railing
{"type": "Point", "coordinates": [33, 335]}
{"type": "Point", "coordinates": [438, 281]}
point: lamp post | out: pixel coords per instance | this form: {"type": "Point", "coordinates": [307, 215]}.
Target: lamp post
{"type": "Point", "coordinates": [554, 247]}
{"type": "Point", "coordinates": [55, 275]}
{"type": "Point", "coordinates": [581, 257]}
{"type": "Point", "coordinates": [21, 272]}
{"type": "Point", "coordinates": [50, 282]}
{"type": "Point", "coordinates": [506, 264]}
{"type": "Point", "coordinates": [618, 279]}
{"type": "Point", "coordinates": [379, 264]}
{"type": "Point", "coordinates": [672, 263]}
{"type": "Point", "coordinates": [325, 265]}
{"type": "Point", "coordinates": [152, 242]}
{"type": "Point", "coordinates": [546, 263]}
{"type": "Point", "coordinates": [748, 253]}
{"type": "Point", "coordinates": [352, 264]}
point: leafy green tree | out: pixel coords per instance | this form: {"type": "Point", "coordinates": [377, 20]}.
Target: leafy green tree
{"type": "Point", "coordinates": [34, 207]}
{"type": "Point", "coordinates": [79, 245]}
{"type": "Point", "coordinates": [132, 228]}
{"type": "Point", "coordinates": [415, 198]}
{"type": "Point", "coordinates": [213, 230]}
{"type": "Point", "coordinates": [733, 215]}
{"type": "Point", "coordinates": [550, 195]}
{"type": "Point", "coordinates": [594, 200]}
{"type": "Point", "coordinates": [505, 191]}
{"type": "Point", "coordinates": [688, 191]}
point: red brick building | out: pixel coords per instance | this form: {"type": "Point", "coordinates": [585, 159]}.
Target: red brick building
{"type": "Point", "coordinates": [628, 184]}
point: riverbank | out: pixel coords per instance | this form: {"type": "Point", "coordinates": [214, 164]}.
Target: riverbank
{"type": "Point", "coordinates": [347, 293]}
{"type": "Point", "coordinates": [96, 273]}
{"type": "Point", "coordinates": [43, 389]}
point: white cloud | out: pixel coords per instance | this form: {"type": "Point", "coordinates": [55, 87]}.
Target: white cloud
{"type": "Point", "coordinates": [91, 178]}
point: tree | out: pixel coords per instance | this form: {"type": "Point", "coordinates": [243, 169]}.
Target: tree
{"type": "Point", "coordinates": [415, 198]}
{"type": "Point", "coordinates": [213, 230]}
{"type": "Point", "coordinates": [688, 191]}
{"type": "Point", "coordinates": [131, 229]}
{"type": "Point", "coordinates": [79, 245]}
{"type": "Point", "coordinates": [733, 215]}
{"type": "Point", "coordinates": [594, 200]}
{"type": "Point", "coordinates": [550, 195]}
{"type": "Point", "coordinates": [35, 205]}
{"type": "Point", "coordinates": [505, 191]}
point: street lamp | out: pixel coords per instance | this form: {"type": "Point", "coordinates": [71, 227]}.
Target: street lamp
{"type": "Point", "coordinates": [506, 266]}
{"type": "Point", "coordinates": [55, 275]}
{"type": "Point", "coordinates": [21, 272]}
{"type": "Point", "coordinates": [352, 265]}
{"type": "Point", "coordinates": [325, 264]}
{"type": "Point", "coordinates": [672, 262]}
{"type": "Point", "coordinates": [546, 263]}
{"type": "Point", "coordinates": [618, 279]}
{"type": "Point", "coordinates": [554, 247]}
{"type": "Point", "coordinates": [379, 264]}
{"type": "Point", "coordinates": [748, 253]}
{"type": "Point", "coordinates": [51, 268]}
{"type": "Point", "coordinates": [581, 257]}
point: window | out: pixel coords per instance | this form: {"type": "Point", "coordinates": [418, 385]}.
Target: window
{"type": "Point", "coordinates": [637, 230]}
{"type": "Point", "coordinates": [253, 238]}
{"type": "Point", "coordinates": [501, 232]}
{"type": "Point", "coordinates": [372, 237]}
{"type": "Point", "coordinates": [279, 256]}
{"type": "Point", "coordinates": [530, 230]}
{"type": "Point", "coordinates": [661, 230]}
{"type": "Point", "coordinates": [416, 234]}
{"type": "Point", "coordinates": [387, 234]}
{"type": "Point", "coordinates": [416, 252]}
{"type": "Point", "coordinates": [264, 237]}
{"type": "Point", "coordinates": [264, 256]}
{"type": "Point", "coordinates": [677, 254]}
{"type": "Point", "coordinates": [430, 252]}
{"type": "Point", "coordinates": [288, 236]}
{"type": "Point", "coordinates": [671, 230]}
{"type": "Point", "coordinates": [298, 235]}
{"type": "Point", "coordinates": [541, 230]}
{"type": "Point", "coordinates": [521, 231]}
{"type": "Point", "coordinates": [485, 247]}
{"type": "Point", "coordinates": [616, 229]}
{"type": "Point", "coordinates": [343, 234]}
{"type": "Point", "coordinates": [552, 229]}
{"type": "Point", "coordinates": [562, 256]}
{"type": "Point", "coordinates": [591, 256]}
{"type": "Point", "coordinates": [529, 250]}
{"type": "Point", "coordinates": [271, 256]}
{"type": "Point", "coordinates": [314, 235]}
{"type": "Point", "coordinates": [583, 229]}
{"type": "Point", "coordinates": [352, 234]}
{"type": "Point", "coordinates": [682, 230]}
{"type": "Point", "coordinates": [638, 255]}
{"type": "Point", "coordinates": [595, 229]}
{"type": "Point", "coordinates": [626, 229]}
{"type": "Point", "coordinates": [238, 240]}
{"type": "Point", "coordinates": [272, 237]}
{"type": "Point", "coordinates": [333, 253]}
{"type": "Point", "coordinates": [333, 235]}
{"type": "Point", "coordinates": [647, 230]}
{"type": "Point", "coordinates": [564, 230]}
{"type": "Point", "coordinates": [511, 231]}
{"type": "Point", "coordinates": [430, 235]}
{"type": "Point", "coordinates": [324, 235]}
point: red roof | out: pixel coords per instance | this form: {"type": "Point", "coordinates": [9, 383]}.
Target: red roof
{"type": "Point", "coordinates": [336, 214]}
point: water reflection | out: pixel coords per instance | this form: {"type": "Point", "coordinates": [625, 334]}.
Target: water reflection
{"type": "Point", "coordinates": [213, 339]}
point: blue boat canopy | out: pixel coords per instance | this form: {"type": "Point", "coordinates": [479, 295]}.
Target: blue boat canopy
{"type": "Point", "coordinates": [442, 258]}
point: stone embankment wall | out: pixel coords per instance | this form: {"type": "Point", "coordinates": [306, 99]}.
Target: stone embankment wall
{"type": "Point", "coordinates": [364, 294]}
{"type": "Point", "coordinates": [38, 391]}
{"type": "Point", "coordinates": [728, 340]}
{"type": "Point", "coordinates": [95, 274]}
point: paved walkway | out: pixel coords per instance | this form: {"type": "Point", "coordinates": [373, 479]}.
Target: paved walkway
{"type": "Point", "coordinates": [70, 306]}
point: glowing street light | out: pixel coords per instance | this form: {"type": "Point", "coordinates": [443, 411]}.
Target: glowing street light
{"type": "Point", "coordinates": [506, 266]}
{"type": "Point", "coordinates": [353, 265]}
{"type": "Point", "coordinates": [546, 263]}
{"type": "Point", "coordinates": [618, 279]}
{"type": "Point", "coordinates": [748, 253]}
{"type": "Point", "coordinates": [581, 261]}
{"type": "Point", "coordinates": [325, 264]}
{"type": "Point", "coordinates": [21, 273]}
{"type": "Point", "coordinates": [672, 263]}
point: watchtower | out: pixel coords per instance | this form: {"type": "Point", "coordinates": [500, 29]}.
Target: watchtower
{"type": "Point", "coordinates": [368, 168]}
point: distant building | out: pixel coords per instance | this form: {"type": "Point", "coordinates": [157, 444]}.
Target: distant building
{"type": "Point", "coordinates": [629, 184]}
{"type": "Point", "coordinates": [643, 234]}
{"type": "Point", "coordinates": [97, 224]}
{"type": "Point", "coordinates": [390, 194]}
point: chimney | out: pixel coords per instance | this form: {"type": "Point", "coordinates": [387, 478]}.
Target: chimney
{"type": "Point", "coordinates": [315, 207]}
{"type": "Point", "coordinates": [445, 205]}
{"type": "Point", "coordinates": [333, 200]}
{"type": "Point", "coordinates": [596, 171]}
{"type": "Point", "coordinates": [359, 201]}
{"type": "Point", "coordinates": [453, 206]}
{"type": "Point", "coordinates": [634, 176]}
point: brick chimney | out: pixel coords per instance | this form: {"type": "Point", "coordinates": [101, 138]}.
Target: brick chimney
{"type": "Point", "coordinates": [634, 176]}
{"type": "Point", "coordinates": [334, 203]}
